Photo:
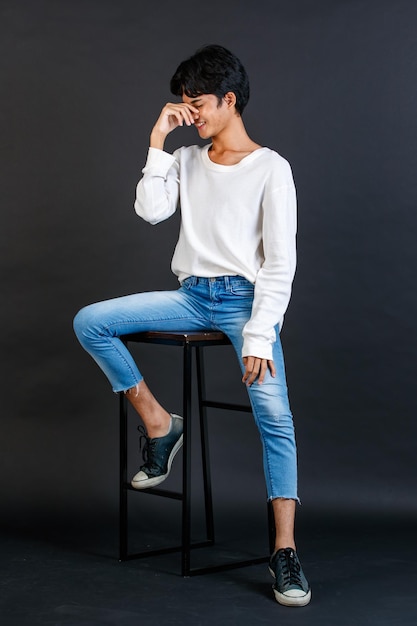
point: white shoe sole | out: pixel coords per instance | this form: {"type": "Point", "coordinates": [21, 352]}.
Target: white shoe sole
{"type": "Point", "coordinates": [290, 600]}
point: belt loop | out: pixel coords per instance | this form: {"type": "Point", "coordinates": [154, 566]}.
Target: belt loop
{"type": "Point", "coordinates": [227, 283]}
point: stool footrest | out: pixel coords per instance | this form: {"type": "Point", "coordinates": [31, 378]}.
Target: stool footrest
{"type": "Point", "coordinates": [197, 571]}
{"type": "Point", "coordinates": [170, 550]}
{"type": "Point", "coordinates": [164, 493]}
{"type": "Point", "coordinates": [212, 404]}
{"type": "Point", "coordinates": [222, 567]}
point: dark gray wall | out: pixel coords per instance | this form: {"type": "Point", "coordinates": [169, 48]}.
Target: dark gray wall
{"type": "Point", "coordinates": [333, 90]}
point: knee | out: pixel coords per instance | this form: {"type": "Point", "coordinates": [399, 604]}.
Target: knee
{"type": "Point", "coordinates": [83, 323]}
{"type": "Point", "coordinates": [271, 405]}
{"type": "Point", "coordinates": [271, 396]}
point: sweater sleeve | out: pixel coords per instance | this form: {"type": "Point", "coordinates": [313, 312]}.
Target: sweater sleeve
{"type": "Point", "coordinates": [274, 279]}
{"type": "Point", "coordinates": [157, 192]}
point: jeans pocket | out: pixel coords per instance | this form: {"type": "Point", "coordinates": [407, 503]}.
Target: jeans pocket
{"type": "Point", "coordinates": [189, 282]}
{"type": "Point", "coordinates": [243, 289]}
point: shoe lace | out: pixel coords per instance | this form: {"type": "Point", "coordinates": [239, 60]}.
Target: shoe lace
{"type": "Point", "coordinates": [145, 444]}
{"type": "Point", "coordinates": [290, 568]}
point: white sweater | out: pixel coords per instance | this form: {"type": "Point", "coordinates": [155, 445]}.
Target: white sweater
{"type": "Point", "coordinates": [235, 220]}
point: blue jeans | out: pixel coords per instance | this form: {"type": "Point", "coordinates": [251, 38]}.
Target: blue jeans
{"type": "Point", "coordinates": [224, 304]}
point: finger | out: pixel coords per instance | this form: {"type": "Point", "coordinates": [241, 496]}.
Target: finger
{"type": "Point", "coordinates": [272, 369]}
{"type": "Point", "coordinates": [190, 107]}
{"type": "Point", "coordinates": [185, 116]}
{"type": "Point", "coordinates": [192, 113]}
{"type": "Point", "coordinates": [176, 118]}
{"type": "Point", "coordinates": [262, 371]}
{"type": "Point", "coordinates": [169, 119]}
{"type": "Point", "coordinates": [252, 370]}
{"type": "Point", "coordinates": [248, 379]}
{"type": "Point", "coordinates": [173, 115]}
{"type": "Point", "coordinates": [187, 112]}
{"type": "Point", "coordinates": [248, 363]}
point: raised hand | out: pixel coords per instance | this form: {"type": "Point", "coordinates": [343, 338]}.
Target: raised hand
{"type": "Point", "coordinates": [173, 114]}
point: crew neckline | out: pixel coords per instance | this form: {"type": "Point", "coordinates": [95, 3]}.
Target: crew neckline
{"type": "Point", "coordinates": [220, 167]}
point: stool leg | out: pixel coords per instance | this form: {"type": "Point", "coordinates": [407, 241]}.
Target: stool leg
{"type": "Point", "coordinates": [186, 474]}
{"type": "Point", "coordinates": [208, 498]}
{"type": "Point", "coordinates": [123, 478]}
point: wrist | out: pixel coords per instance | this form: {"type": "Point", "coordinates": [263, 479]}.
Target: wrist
{"type": "Point", "coordinates": [157, 139]}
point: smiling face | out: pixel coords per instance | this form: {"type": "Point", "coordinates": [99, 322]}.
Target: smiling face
{"type": "Point", "coordinates": [213, 116]}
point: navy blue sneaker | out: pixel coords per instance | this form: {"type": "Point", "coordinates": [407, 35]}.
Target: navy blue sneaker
{"type": "Point", "coordinates": [291, 587]}
{"type": "Point", "coordinates": [158, 454]}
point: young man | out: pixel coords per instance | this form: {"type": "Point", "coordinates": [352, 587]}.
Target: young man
{"type": "Point", "coordinates": [235, 261]}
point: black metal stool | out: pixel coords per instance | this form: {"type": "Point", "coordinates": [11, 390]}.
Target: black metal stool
{"type": "Point", "coordinates": [188, 341]}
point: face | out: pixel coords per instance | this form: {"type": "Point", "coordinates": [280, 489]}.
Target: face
{"type": "Point", "coordinates": [211, 118]}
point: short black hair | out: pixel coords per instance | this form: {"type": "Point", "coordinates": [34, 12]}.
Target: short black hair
{"type": "Point", "coordinates": [212, 70]}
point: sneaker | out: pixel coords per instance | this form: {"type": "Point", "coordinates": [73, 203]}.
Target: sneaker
{"type": "Point", "coordinates": [158, 454]}
{"type": "Point", "coordinates": [291, 587]}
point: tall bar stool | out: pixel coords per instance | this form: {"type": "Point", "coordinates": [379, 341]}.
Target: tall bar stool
{"type": "Point", "coordinates": [188, 341]}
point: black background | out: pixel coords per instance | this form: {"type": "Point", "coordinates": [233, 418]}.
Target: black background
{"type": "Point", "coordinates": [334, 91]}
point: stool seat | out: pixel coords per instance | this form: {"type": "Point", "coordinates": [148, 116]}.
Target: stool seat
{"type": "Point", "coordinates": [197, 342]}
{"type": "Point", "coordinates": [212, 337]}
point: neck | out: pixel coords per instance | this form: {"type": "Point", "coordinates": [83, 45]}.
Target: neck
{"type": "Point", "coordinates": [233, 138]}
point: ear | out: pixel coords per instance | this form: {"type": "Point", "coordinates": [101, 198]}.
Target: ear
{"type": "Point", "coordinates": [230, 99]}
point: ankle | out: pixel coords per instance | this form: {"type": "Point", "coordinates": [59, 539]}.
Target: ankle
{"type": "Point", "coordinates": [158, 425]}
{"type": "Point", "coordinates": [283, 543]}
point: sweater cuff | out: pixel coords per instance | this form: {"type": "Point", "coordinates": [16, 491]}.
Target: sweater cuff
{"type": "Point", "coordinates": [158, 161]}
{"type": "Point", "coordinates": [258, 349]}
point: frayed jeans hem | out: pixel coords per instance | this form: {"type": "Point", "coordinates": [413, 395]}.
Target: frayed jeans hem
{"type": "Point", "coordinates": [297, 500]}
